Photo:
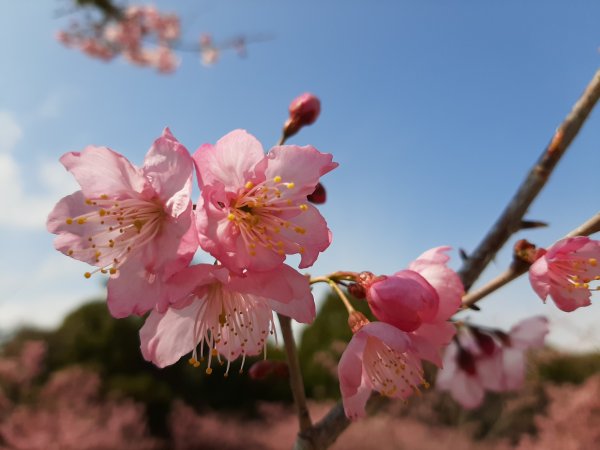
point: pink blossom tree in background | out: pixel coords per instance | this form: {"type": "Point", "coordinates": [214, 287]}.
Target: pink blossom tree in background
{"type": "Point", "coordinates": [139, 226]}
{"type": "Point", "coordinates": [140, 34]}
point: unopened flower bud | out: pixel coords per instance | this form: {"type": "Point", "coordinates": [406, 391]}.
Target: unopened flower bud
{"type": "Point", "coordinates": [319, 195]}
{"type": "Point", "coordinates": [266, 368]}
{"type": "Point", "coordinates": [357, 290]}
{"type": "Point", "coordinates": [357, 320]}
{"type": "Point", "coordinates": [304, 110]}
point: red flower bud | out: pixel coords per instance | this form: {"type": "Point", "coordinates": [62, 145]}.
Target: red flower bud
{"type": "Point", "coordinates": [304, 110]}
{"type": "Point", "coordinates": [266, 368]}
{"type": "Point", "coordinates": [319, 196]}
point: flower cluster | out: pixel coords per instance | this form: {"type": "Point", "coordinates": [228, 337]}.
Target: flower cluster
{"type": "Point", "coordinates": [413, 307]}
{"type": "Point", "coordinates": [139, 226]}
{"type": "Point", "coordinates": [127, 35]}
{"type": "Point", "coordinates": [479, 359]}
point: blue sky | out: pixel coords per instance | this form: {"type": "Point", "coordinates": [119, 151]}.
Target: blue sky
{"type": "Point", "coordinates": [435, 111]}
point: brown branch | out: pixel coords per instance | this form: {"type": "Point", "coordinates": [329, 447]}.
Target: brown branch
{"type": "Point", "coordinates": [325, 432]}
{"type": "Point", "coordinates": [518, 268]}
{"type": "Point", "coordinates": [510, 220]}
{"type": "Point", "coordinates": [296, 382]}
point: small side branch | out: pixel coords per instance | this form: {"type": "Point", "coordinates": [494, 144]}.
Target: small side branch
{"type": "Point", "coordinates": [296, 382]}
{"type": "Point", "coordinates": [510, 220]}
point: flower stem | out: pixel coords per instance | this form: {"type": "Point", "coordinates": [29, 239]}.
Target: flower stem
{"type": "Point", "coordinates": [296, 382]}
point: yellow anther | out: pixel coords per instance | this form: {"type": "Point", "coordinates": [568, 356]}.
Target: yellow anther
{"type": "Point", "coordinates": [98, 254]}
{"type": "Point", "coordinates": [192, 361]}
{"type": "Point", "coordinates": [593, 262]}
{"type": "Point", "coordinates": [299, 230]}
{"type": "Point", "coordinates": [112, 271]}
{"type": "Point", "coordinates": [290, 185]}
{"type": "Point", "coordinates": [103, 271]}
{"type": "Point", "coordinates": [102, 212]}
{"type": "Point", "coordinates": [280, 244]}
{"type": "Point", "coordinates": [277, 179]}
{"type": "Point", "coordinates": [231, 216]}
{"type": "Point", "coordinates": [81, 220]}
{"type": "Point", "coordinates": [252, 253]}
{"type": "Point", "coordinates": [87, 275]}
{"type": "Point", "coordinates": [214, 352]}
{"type": "Point", "coordinates": [104, 197]}
{"type": "Point", "coordinates": [303, 207]}
{"type": "Point", "coordinates": [208, 371]}
{"type": "Point", "coordinates": [289, 202]}
{"type": "Point", "coordinates": [69, 221]}
{"type": "Point", "coordinates": [70, 252]}
{"type": "Point", "coordinates": [249, 185]}
{"type": "Point", "coordinates": [586, 285]}
{"type": "Point", "coordinates": [301, 250]}
{"type": "Point", "coordinates": [88, 201]}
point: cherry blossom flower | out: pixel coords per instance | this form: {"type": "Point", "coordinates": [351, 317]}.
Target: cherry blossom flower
{"type": "Point", "coordinates": [230, 314]}
{"type": "Point", "coordinates": [253, 208]}
{"type": "Point", "coordinates": [474, 363]}
{"type": "Point", "coordinates": [432, 336]}
{"type": "Point", "coordinates": [404, 299]}
{"type": "Point", "coordinates": [379, 357]}
{"type": "Point", "coordinates": [419, 300]}
{"type": "Point", "coordinates": [565, 272]}
{"type": "Point", "coordinates": [134, 223]}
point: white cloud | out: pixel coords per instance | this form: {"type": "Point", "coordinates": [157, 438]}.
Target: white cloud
{"type": "Point", "coordinates": [22, 209]}
{"type": "Point", "coordinates": [10, 132]}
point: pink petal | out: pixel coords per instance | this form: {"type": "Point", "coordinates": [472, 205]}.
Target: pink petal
{"type": "Point", "coordinates": [167, 337]}
{"type": "Point", "coordinates": [355, 390]}
{"type": "Point", "coordinates": [302, 166]}
{"type": "Point", "coordinates": [467, 390]}
{"type": "Point", "coordinates": [394, 338]}
{"type": "Point", "coordinates": [101, 171]}
{"type": "Point", "coordinates": [285, 289]}
{"type": "Point", "coordinates": [235, 159]}
{"type": "Point", "coordinates": [529, 333]}
{"type": "Point", "coordinates": [404, 300]}
{"type": "Point", "coordinates": [430, 339]}
{"type": "Point", "coordinates": [539, 279]}
{"type": "Point", "coordinates": [168, 166]}
{"type": "Point", "coordinates": [570, 300]}
{"type": "Point", "coordinates": [431, 265]}
{"type": "Point", "coordinates": [174, 246]}
{"type": "Point", "coordinates": [316, 239]}
{"type": "Point", "coordinates": [135, 290]}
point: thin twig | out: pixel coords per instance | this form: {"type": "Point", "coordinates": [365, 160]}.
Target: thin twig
{"type": "Point", "coordinates": [296, 382]}
{"type": "Point", "coordinates": [509, 221]}
{"type": "Point", "coordinates": [516, 270]}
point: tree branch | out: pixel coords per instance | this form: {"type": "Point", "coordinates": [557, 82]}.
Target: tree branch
{"type": "Point", "coordinates": [296, 382]}
{"type": "Point", "coordinates": [509, 221]}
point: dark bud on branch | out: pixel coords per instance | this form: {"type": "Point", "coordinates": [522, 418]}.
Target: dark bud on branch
{"type": "Point", "coordinates": [264, 369]}
{"type": "Point", "coordinates": [319, 195]}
